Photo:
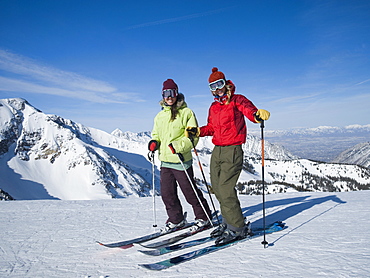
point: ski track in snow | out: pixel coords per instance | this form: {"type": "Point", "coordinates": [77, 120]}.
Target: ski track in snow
{"type": "Point", "coordinates": [326, 237]}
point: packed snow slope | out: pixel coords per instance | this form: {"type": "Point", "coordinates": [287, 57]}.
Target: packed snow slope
{"type": "Point", "coordinates": [327, 236]}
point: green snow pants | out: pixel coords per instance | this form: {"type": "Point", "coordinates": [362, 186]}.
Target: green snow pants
{"type": "Point", "coordinates": [226, 165]}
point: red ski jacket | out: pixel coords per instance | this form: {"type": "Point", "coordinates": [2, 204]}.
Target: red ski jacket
{"type": "Point", "coordinates": [226, 122]}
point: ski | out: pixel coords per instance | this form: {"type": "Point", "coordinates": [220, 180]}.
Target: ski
{"type": "Point", "coordinates": [177, 238]}
{"type": "Point", "coordinates": [172, 248]}
{"type": "Point", "coordinates": [180, 246]}
{"type": "Point", "coordinates": [278, 226]}
{"type": "Point", "coordinates": [130, 243]}
{"type": "Point", "coordinates": [173, 239]}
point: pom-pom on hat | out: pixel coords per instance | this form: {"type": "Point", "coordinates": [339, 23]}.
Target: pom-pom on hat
{"type": "Point", "coordinates": [216, 75]}
{"type": "Point", "coordinates": [169, 84]}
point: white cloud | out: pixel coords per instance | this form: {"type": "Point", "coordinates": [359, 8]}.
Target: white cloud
{"type": "Point", "coordinates": [33, 77]}
{"type": "Point", "coordinates": [362, 82]}
{"type": "Point", "coordinates": [176, 19]}
{"type": "Point", "coordinates": [14, 85]}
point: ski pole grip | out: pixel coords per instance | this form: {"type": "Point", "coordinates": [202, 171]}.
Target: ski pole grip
{"type": "Point", "coordinates": [181, 157]}
{"type": "Point", "coordinates": [258, 119]}
{"type": "Point", "coordinates": [172, 148]}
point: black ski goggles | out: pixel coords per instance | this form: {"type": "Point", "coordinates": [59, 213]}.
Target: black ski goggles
{"type": "Point", "coordinates": [169, 93]}
{"type": "Point", "coordinates": [218, 84]}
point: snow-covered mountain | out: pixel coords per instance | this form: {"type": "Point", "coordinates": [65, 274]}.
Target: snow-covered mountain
{"type": "Point", "coordinates": [359, 155]}
{"type": "Point", "coordinates": [45, 156]}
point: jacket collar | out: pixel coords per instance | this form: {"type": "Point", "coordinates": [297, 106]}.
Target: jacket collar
{"type": "Point", "coordinates": [228, 95]}
{"type": "Point", "coordinates": [180, 103]}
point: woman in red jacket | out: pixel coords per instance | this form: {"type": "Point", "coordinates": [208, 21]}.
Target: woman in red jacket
{"type": "Point", "coordinates": [226, 124]}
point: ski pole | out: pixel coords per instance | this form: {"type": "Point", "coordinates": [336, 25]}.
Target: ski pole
{"type": "Point", "coordinates": [181, 158]}
{"type": "Point", "coordinates": [151, 158]}
{"type": "Point", "coordinates": [204, 178]}
{"type": "Point", "coordinates": [264, 242]}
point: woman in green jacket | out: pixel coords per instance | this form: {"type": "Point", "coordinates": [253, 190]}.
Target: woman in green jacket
{"type": "Point", "coordinates": [168, 137]}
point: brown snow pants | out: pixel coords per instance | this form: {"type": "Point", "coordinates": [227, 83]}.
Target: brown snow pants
{"type": "Point", "coordinates": [169, 179]}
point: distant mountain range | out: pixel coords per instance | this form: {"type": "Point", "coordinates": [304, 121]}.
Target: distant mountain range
{"type": "Point", "coordinates": [48, 157]}
{"type": "Point", "coordinates": [359, 155]}
{"type": "Point", "coordinates": [323, 143]}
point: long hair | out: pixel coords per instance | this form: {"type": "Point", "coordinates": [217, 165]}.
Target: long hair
{"type": "Point", "coordinates": [228, 92]}
{"type": "Point", "coordinates": [175, 107]}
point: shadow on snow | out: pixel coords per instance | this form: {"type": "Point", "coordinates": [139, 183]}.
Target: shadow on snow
{"type": "Point", "coordinates": [292, 207]}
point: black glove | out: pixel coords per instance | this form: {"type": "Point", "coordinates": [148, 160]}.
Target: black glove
{"type": "Point", "coordinates": [153, 145]}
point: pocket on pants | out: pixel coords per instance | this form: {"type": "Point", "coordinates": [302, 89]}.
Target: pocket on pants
{"type": "Point", "coordinates": [237, 155]}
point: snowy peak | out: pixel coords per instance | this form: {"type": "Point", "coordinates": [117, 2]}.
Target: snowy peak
{"type": "Point", "coordinates": [253, 147]}
{"type": "Point", "coordinates": [359, 155]}
{"type": "Point", "coordinates": [131, 136]}
{"type": "Point", "coordinates": [59, 158]}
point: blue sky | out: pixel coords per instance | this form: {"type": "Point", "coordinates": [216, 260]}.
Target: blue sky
{"type": "Point", "coordinates": [102, 63]}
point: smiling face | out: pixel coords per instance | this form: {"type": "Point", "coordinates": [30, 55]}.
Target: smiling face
{"type": "Point", "coordinates": [170, 100]}
{"type": "Point", "coordinates": [220, 92]}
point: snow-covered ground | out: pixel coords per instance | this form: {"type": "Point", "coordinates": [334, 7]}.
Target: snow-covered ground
{"type": "Point", "coordinates": [327, 236]}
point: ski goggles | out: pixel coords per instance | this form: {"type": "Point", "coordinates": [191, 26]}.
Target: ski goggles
{"type": "Point", "coordinates": [169, 93]}
{"type": "Point", "coordinates": [218, 84]}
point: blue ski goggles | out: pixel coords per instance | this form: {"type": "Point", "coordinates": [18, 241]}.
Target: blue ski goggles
{"type": "Point", "coordinates": [218, 84]}
{"type": "Point", "coordinates": [169, 93]}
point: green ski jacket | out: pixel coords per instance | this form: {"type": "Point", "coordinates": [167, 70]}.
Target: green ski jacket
{"type": "Point", "coordinates": [166, 131]}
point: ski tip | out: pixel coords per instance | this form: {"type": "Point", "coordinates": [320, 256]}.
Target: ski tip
{"type": "Point", "coordinates": [280, 224]}
{"type": "Point", "coordinates": [112, 245]}
{"type": "Point", "coordinates": [126, 246]}
{"type": "Point", "coordinates": [154, 266]}
{"type": "Point", "coordinates": [150, 252]}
